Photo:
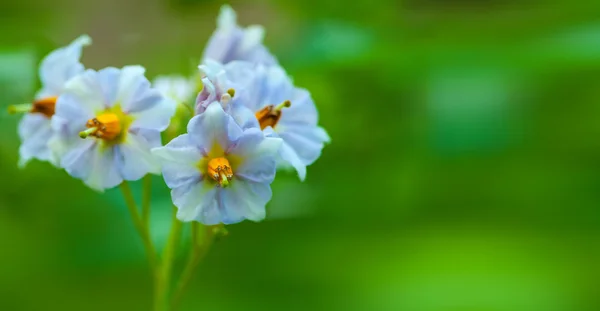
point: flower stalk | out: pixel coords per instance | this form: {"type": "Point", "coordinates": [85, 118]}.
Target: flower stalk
{"type": "Point", "coordinates": [163, 273]}
{"type": "Point", "coordinates": [141, 228]}
{"type": "Point", "coordinates": [202, 240]}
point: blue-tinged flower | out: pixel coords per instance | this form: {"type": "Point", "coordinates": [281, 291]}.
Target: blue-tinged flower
{"type": "Point", "coordinates": [231, 42]}
{"type": "Point", "coordinates": [35, 127]}
{"type": "Point", "coordinates": [280, 108]}
{"type": "Point", "coordinates": [218, 172]}
{"type": "Point", "coordinates": [106, 123]}
{"type": "Point", "coordinates": [227, 85]}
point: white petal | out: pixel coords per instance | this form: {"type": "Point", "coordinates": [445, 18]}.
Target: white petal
{"type": "Point", "coordinates": [197, 201]}
{"type": "Point", "coordinates": [93, 163]}
{"type": "Point", "coordinates": [70, 115]}
{"type": "Point", "coordinates": [131, 87]}
{"type": "Point", "coordinates": [175, 87]}
{"type": "Point", "coordinates": [253, 37]}
{"type": "Point", "coordinates": [245, 200]}
{"type": "Point", "coordinates": [179, 159]}
{"type": "Point", "coordinates": [152, 137]}
{"type": "Point", "coordinates": [307, 141]}
{"type": "Point", "coordinates": [35, 131]}
{"type": "Point", "coordinates": [227, 18]}
{"type": "Point", "coordinates": [206, 96]}
{"type": "Point", "coordinates": [258, 154]}
{"type": "Point", "coordinates": [157, 116]}
{"type": "Point", "coordinates": [289, 155]}
{"type": "Point", "coordinates": [61, 65]}
{"type": "Point", "coordinates": [302, 111]}
{"type": "Point", "coordinates": [213, 126]}
{"type": "Point", "coordinates": [86, 93]}
{"type": "Point", "coordinates": [108, 80]}
{"type": "Point", "coordinates": [134, 159]}
{"type": "Point", "coordinates": [270, 86]}
{"type": "Point", "coordinates": [210, 68]}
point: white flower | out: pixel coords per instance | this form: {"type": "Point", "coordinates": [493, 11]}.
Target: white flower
{"type": "Point", "coordinates": [35, 128]}
{"type": "Point", "coordinates": [218, 172]}
{"type": "Point", "coordinates": [231, 42]}
{"type": "Point", "coordinates": [119, 116]}
{"type": "Point", "coordinates": [176, 87]}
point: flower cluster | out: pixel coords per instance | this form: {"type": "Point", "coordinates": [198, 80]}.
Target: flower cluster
{"type": "Point", "coordinates": [245, 118]}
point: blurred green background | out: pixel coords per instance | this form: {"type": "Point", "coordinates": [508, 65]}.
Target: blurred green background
{"type": "Point", "coordinates": [464, 173]}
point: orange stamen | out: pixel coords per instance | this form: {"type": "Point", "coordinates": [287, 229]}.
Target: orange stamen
{"type": "Point", "coordinates": [106, 126]}
{"type": "Point", "coordinates": [270, 115]}
{"type": "Point", "coordinates": [219, 170]}
{"type": "Point", "coordinates": [45, 106]}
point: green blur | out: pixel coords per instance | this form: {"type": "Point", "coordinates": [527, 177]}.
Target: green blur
{"type": "Point", "coordinates": [463, 174]}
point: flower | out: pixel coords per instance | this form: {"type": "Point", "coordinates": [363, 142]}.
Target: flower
{"type": "Point", "coordinates": [176, 87]}
{"type": "Point", "coordinates": [220, 83]}
{"type": "Point", "coordinates": [35, 127]}
{"type": "Point", "coordinates": [119, 116]}
{"type": "Point", "coordinates": [231, 42]}
{"type": "Point", "coordinates": [279, 108]}
{"type": "Point", "coordinates": [218, 172]}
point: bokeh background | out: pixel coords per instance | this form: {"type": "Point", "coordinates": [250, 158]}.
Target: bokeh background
{"type": "Point", "coordinates": [464, 173]}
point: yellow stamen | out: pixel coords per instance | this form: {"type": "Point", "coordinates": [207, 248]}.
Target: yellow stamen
{"type": "Point", "coordinates": [219, 170]}
{"type": "Point", "coordinates": [106, 126]}
{"type": "Point", "coordinates": [270, 115]}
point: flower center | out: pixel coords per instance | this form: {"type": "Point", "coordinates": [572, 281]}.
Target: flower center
{"type": "Point", "coordinates": [270, 115]}
{"type": "Point", "coordinates": [106, 126]}
{"type": "Point", "coordinates": [219, 170]}
{"type": "Point", "coordinates": [44, 106]}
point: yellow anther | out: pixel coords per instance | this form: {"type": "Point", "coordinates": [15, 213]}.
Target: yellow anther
{"type": "Point", "coordinates": [106, 126]}
{"type": "Point", "coordinates": [219, 170]}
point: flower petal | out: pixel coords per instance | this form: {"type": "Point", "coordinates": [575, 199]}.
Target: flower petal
{"type": "Point", "coordinates": [253, 37]}
{"type": "Point", "coordinates": [35, 131]}
{"type": "Point", "coordinates": [197, 201]}
{"type": "Point", "coordinates": [302, 111]}
{"type": "Point", "coordinates": [175, 87]}
{"type": "Point", "coordinates": [179, 159]}
{"type": "Point", "coordinates": [108, 79]}
{"type": "Point", "coordinates": [258, 154]}
{"type": "Point", "coordinates": [131, 85]}
{"type": "Point", "coordinates": [70, 117]}
{"type": "Point", "coordinates": [289, 156]}
{"type": "Point", "coordinates": [213, 126]}
{"type": "Point", "coordinates": [230, 42]}
{"type": "Point", "coordinates": [93, 163]}
{"type": "Point", "coordinates": [244, 200]}
{"type": "Point", "coordinates": [243, 116]}
{"type": "Point", "coordinates": [61, 65]}
{"type": "Point", "coordinates": [134, 159]}
{"type": "Point", "coordinates": [85, 92]}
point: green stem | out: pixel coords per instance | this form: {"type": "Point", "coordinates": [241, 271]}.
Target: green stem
{"type": "Point", "coordinates": [200, 247]}
{"type": "Point", "coordinates": [141, 228]}
{"type": "Point", "coordinates": [146, 199]}
{"type": "Point", "coordinates": [163, 276]}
